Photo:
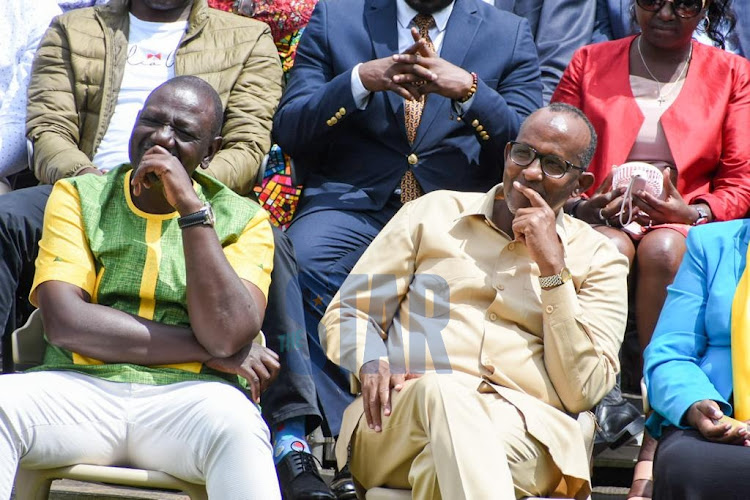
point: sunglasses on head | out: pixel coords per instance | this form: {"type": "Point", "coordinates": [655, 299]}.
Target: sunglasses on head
{"type": "Point", "coordinates": [683, 8]}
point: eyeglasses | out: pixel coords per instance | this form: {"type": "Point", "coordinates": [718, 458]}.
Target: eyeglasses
{"type": "Point", "coordinates": [553, 166]}
{"type": "Point", "coordinates": [683, 8]}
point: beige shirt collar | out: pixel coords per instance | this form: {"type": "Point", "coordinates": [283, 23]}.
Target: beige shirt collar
{"type": "Point", "coordinates": [484, 206]}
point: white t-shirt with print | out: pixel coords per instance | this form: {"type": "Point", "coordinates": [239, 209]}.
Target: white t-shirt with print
{"type": "Point", "coordinates": [150, 62]}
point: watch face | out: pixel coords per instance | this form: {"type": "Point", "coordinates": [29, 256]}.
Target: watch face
{"type": "Point", "coordinates": [565, 274]}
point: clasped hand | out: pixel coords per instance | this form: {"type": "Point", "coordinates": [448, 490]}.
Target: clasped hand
{"type": "Point", "coordinates": [705, 415]}
{"type": "Point", "coordinates": [606, 205]}
{"type": "Point", "coordinates": [415, 72]}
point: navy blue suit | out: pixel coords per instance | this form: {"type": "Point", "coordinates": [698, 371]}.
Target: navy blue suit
{"type": "Point", "coordinates": [352, 164]}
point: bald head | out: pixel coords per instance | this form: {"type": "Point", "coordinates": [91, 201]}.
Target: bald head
{"type": "Point", "coordinates": [557, 116]}
{"type": "Point", "coordinates": [200, 88]}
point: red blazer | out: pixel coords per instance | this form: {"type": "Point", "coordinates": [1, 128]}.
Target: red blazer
{"type": "Point", "coordinates": [707, 127]}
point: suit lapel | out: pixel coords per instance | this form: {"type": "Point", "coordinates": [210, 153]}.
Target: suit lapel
{"type": "Point", "coordinates": [459, 36]}
{"type": "Point", "coordinates": [382, 26]}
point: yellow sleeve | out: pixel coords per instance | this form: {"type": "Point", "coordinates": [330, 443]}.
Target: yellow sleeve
{"type": "Point", "coordinates": [251, 256]}
{"type": "Point", "coordinates": [64, 253]}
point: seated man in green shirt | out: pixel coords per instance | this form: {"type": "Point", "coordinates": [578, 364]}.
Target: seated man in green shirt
{"type": "Point", "coordinates": [152, 285]}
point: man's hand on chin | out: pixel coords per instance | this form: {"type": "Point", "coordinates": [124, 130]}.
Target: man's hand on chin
{"type": "Point", "coordinates": [159, 166]}
{"type": "Point", "coordinates": [535, 226]}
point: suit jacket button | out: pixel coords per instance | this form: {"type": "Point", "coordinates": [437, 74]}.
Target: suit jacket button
{"type": "Point", "coordinates": [342, 111]}
{"type": "Point", "coordinates": [412, 159]}
{"type": "Point", "coordinates": [475, 123]}
{"type": "Point", "coordinates": [334, 121]}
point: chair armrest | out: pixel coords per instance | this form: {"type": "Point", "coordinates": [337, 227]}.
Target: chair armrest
{"type": "Point", "coordinates": [28, 342]}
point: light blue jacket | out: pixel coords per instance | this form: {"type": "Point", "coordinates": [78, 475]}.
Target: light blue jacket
{"type": "Point", "coordinates": [689, 358]}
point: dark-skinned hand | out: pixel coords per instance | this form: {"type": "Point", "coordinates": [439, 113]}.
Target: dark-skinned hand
{"type": "Point", "coordinates": [705, 415]}
{"type": "Point", "coordinates": [159, 167]}
{"type": "Point", "coordinates": [535, 227]}
{"type": "Point", "coordinates": [672, 209]}
{"type": "Point", "coordinates": [377, 75]}
{"type": "Point", "coordinates": [377, 381]}
{"type": "Point", "coordinates": [257, 364]}
{"type": "Point", "coordinates": [450, 80]}
{"type": "Point", "coordinates": [605, 201]}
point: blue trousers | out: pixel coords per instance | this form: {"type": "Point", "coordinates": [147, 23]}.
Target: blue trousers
{"type": "Point", "coordinates": [328, 244]}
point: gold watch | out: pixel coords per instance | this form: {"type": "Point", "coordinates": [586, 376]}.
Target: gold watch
{"type": "Point", "coordinates": [556, 279]}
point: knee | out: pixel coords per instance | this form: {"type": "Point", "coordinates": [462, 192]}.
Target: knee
{"type": "Point", "coordinates": [427, 389]}
{"type": "Point", "coordinates": [230, 415]}
{"type": "Point", "coordinates": [677, 462]}
{"type": "Point", "coordinates": [621, 240]}
{"type": "Point", "coordinates": [660, 252]}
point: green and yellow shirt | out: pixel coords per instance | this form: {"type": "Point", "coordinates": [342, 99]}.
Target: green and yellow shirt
{"type": "Point", "coordinates": [95, 238]}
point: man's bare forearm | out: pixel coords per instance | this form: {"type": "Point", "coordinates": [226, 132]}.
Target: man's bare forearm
{"type": "Point", "coordinates": [110, 335]}
{"type": "Point", "coordinates": [224, 315]}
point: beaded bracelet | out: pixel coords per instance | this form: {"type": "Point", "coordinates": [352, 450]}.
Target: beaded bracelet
{"type": "Point", "coordinates": [472, 90]}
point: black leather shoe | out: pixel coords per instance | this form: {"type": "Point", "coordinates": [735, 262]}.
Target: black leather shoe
{"type": "Point", "coordinates": [619, 422]}
{"type": "Point", "coordinates": [299, 478]}
{"type": "Point", "coordinates": [343, 485]}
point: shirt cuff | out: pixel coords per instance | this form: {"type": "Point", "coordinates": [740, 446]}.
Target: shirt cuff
{"type": "Point", "coordinates": [462, 107]}
{"type": "Point", "coordinates": [360, 94]}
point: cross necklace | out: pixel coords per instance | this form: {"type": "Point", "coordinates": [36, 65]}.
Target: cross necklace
{"type": "Point", "coordinates": [663, 98]}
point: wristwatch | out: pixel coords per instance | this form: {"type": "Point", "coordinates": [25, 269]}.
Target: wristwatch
{"type": "Point", "coordinates": [203, 216]}
{"type": "Point", "coordinates": [556, 279]}
{"type": "Point", "coordinates": [702, 215]}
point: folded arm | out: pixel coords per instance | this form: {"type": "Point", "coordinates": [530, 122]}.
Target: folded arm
{"type": "Point", "coordinates": [72, 322]}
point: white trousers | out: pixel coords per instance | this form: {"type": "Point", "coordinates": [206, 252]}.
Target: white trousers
{"type": "Point", "coordinates": [201, 432]}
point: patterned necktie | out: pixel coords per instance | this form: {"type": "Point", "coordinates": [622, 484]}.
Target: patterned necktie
{"type": "Point", "coordinates": [410, 188]}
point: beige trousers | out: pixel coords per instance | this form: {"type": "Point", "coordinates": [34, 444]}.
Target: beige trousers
{"type": "Point", "coordinates": [444, 439]}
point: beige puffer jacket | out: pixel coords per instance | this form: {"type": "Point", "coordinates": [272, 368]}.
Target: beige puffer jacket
{"type": "Point", "coordinates": [79, 67]}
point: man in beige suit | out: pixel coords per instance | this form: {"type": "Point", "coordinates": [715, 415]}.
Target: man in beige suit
{"type": "Point", "coordinates": [479, 325]}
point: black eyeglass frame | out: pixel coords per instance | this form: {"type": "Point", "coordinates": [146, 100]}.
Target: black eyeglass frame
{"type": "Point", "coordinates": [541, 157]}
{"type": "Point", "coordinates": [659, 4]}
